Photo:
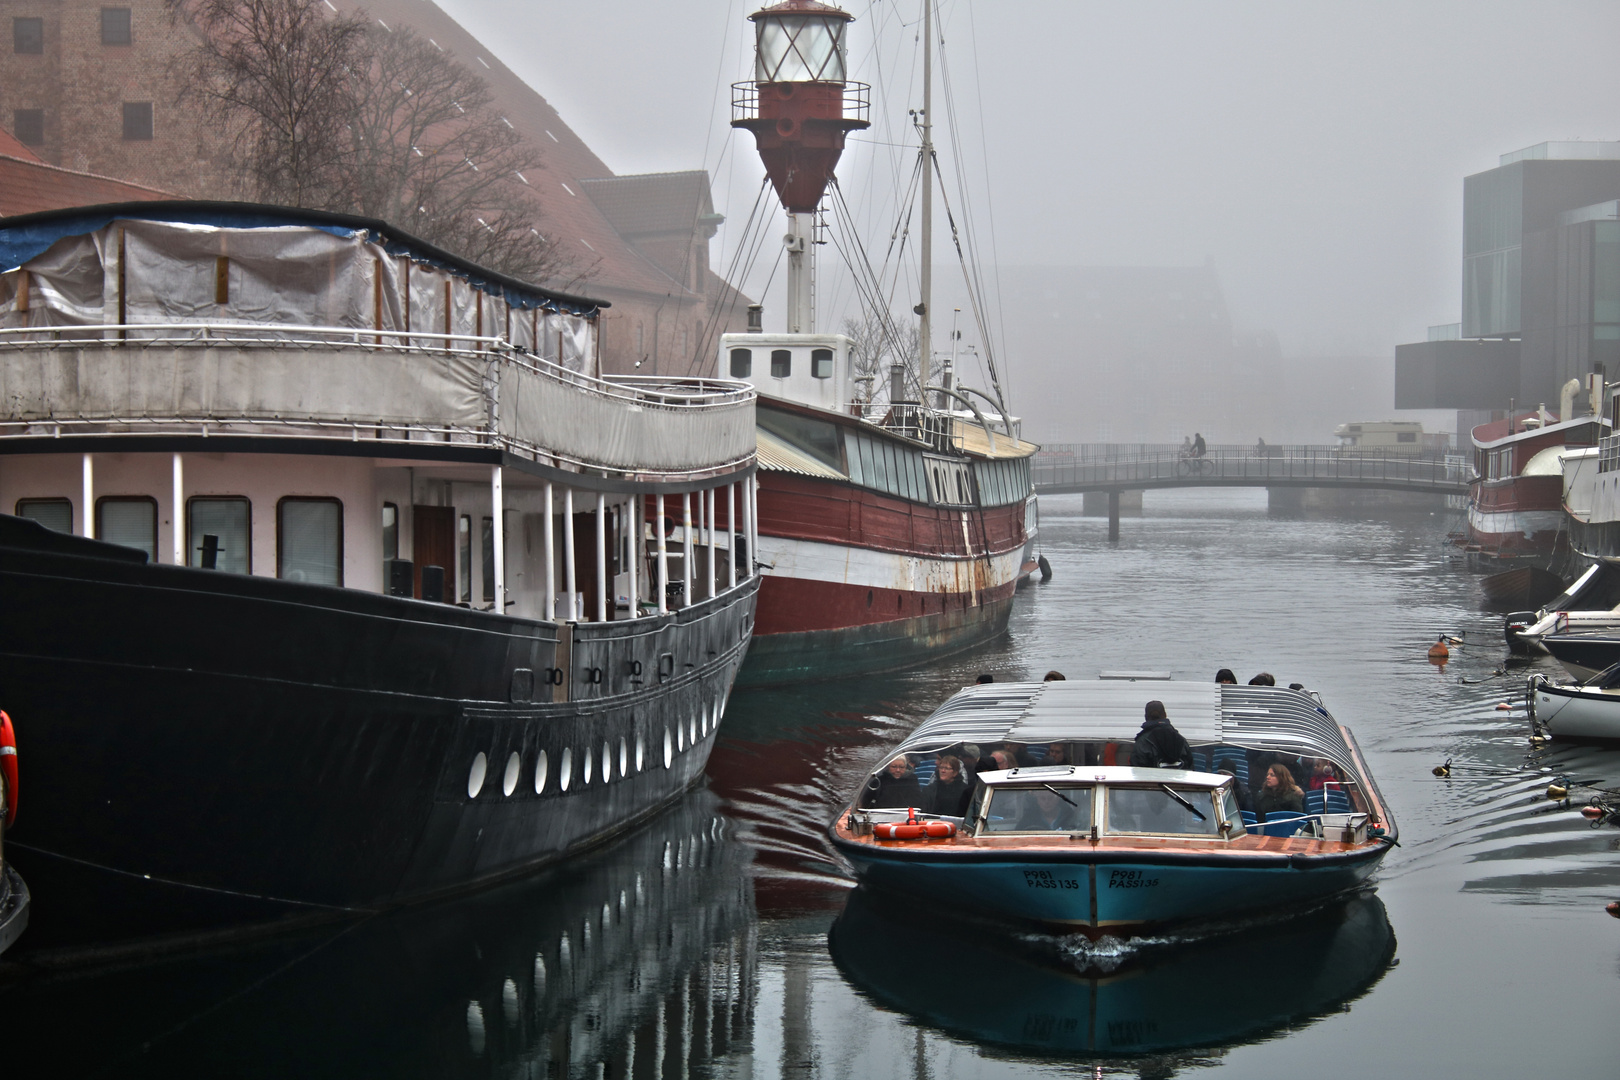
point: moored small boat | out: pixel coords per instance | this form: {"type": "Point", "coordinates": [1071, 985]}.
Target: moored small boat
{"type": "Point", "coordinates": [1074, 839]}
{"type": "Point", "coordinates": [1587, 711]}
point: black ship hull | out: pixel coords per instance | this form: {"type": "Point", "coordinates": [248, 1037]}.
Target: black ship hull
{"type": "Point", "coordinates": [209, 753]}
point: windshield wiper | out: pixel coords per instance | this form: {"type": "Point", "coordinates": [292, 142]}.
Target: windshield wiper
{"type": "Point", "coordinates": [1065, 798]}
{"type": "Point", "coordinates": [1176, 795]}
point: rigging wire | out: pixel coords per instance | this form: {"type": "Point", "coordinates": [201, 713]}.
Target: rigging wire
{"type": "Point", "coordinates": [740, 256]}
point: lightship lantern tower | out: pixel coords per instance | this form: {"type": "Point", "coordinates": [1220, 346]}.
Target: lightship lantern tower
{"type": "Point", "coordinates": [799, 105]}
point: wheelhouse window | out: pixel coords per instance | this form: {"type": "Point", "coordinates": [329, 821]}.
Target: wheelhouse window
{"type": "Point", "coordinates": [781, 363]}
{"type": "Point", "coordinates": [464, 558]}
{"type": "Point", "coordinates": [309, 540]}
{"type": "Point", "coordinates": [228, 520]}
{"type": "Point", "coordinates": [130, 521]}
{"type": "Point", "coordinates": [54, 514]}
{"type": "Point", "coordinates": [742, 363]}
{"type": "Point", "coordinates": [1162, 810]}
{"type": "Point", "coordinates": [1047, 808]}
{"type": "Point", "coordinates": [821, 363]}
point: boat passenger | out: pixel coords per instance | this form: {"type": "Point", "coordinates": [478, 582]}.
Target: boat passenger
{"type": "Point", "coordinates": [1159, 745]}
{"type": "Point", "coordinates": [1054, 676]}
{"type": "Point", "coordinates": [1265, 678]}
{"type": "Point", "coordinates": [896, 787]}
{"type": "Point", "coordinates": [1225, 677]}
{"type": "Point", "coordinates": [1280, 793]}
{"type": "Point", "coordinates": [1240, 790]}
{"type": "Point", "coordinates": [1056, 755]}
{"type": "Point", "coordinates": [1324, 774]}
{"type": "Point", "coordinates": [1048, 812]}
{"type": "Point", "coordinates": [949, 792]}
{"type": "Point", "coordinates": [984, 677]}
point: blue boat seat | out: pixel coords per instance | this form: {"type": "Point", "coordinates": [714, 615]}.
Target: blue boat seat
{"type": "Point", "coordinates": [1327, 801]}
{"type": "Point", "coordinates": [925, 771]}
{"type": "Point", "coordinates": [1314, 802]}
{"type": "Point", "coordinates": [1284, 823]}
{"type": "Point", "coordinates": [1249, 820]}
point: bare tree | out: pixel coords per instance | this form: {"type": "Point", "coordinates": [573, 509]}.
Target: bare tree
{"type": "Point", "coordinates": [877, 342]}
{"type": "Point", "coordinates": [338, 113]}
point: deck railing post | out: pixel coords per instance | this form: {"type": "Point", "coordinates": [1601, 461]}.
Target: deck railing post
{"type": "Point", "coordinates": [602, 585]}
{"type": "Point", "coordinates": [568, 555]}
{"type": "Point", "coordinates": [663, 557]}
{"type": "Point", "coordinates": [550, 542]}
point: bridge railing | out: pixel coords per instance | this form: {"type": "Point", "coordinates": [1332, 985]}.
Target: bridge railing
{"type": "Point", "coordinates": [1228, 465]}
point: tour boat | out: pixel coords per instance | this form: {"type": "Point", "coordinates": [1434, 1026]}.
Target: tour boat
{"type": "Point", "coordinates": [1094, 846]}
{"type": "Point", "coordinates": [335, 578]}
{"type": "Point", "coordinates": [1516, 502]}
{"type": "Point", "coordinates": [1586, 711]}
{"type": "Point", "coordinates": [894, 518]}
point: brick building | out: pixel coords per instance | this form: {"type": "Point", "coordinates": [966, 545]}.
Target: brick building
{"type": "Point", "coordinates": [94, 89]}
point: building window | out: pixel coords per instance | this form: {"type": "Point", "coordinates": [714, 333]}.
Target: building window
{"type": "Point", "coordinates": [742, 363]}
{"type": "Point", "coordinates": [464, 559]}
{"type": "Point", "coordinates": [29, 126]}
{"type": "Point", "coordinates": [228, 522]}
{"type": "Point", "coordinates": [54, 514]}
{"type": "Point", "coordinates": [128, 520]}
{"type": "Point", "coordinates": [821, 363]}
{"type": "Point", "coordinates": [28, 36]}
{"type": "Point", "coordinates": [781, 363]}
{"type": "Point", "coordinates": [137, 120]}
{"type": "Point", "coordinates": [115, 28]}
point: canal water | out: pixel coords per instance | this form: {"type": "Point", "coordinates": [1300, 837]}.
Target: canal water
{"type": "Point", "coordinates": [725, 941]}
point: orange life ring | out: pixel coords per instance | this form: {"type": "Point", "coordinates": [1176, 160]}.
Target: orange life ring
{"type": "Point", "coordinates": [8, 765]}
{"type": "Point", "coordinates": [914, 830]}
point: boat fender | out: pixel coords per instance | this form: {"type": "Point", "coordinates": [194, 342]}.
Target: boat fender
{"type": "Point", "coordinates": [1592, 813]}
{"type": "Point", "coordinates": [8, 765]}
{"type": "Point", "coordinates": [1613, 908]}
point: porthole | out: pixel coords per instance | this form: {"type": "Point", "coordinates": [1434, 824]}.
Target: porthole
{"type": "Point", "coordinates": [475, 777]}
{"type": "Point", "coordinates": [669, 749]}
{"type": "Point", "coordinates": [624, 759]}
{"type": "Point", "coordinates": [541, 767]}
{"type": "Point", "coordinates": [641, 751]}
{"type": "Point", "coordinates": [680, 735]}
{"type": "Point", "coordinates": [565, 769]}
{"type": "Point", "coordinates": [607, 762]}
{"type": "Point", "coordinates": [692, 724]}
{"type": "Point", "coordinates": [585, 772]}
{"type": "Point", "coordinates": [514, 766]}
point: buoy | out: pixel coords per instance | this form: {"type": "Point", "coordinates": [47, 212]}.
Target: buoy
{"type": "Point", "coordinates": [1613, 908]}
{"type": "Point", "coordinates": [1443, 770]}
{"type": "Point", "coordinates": [1556, 791]}
{"type": "Point", "coordinates": [1592, 813]}
{"type": "Point", "coordinates": [1504, 707]}
{"type": "Point", "coordinates": [1538, 739]}
{"type": "Point", "coordinates": [1438, 650]}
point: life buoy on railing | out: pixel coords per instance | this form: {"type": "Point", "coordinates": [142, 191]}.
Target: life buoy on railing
{"type": "Point", "coordinates": [8, 765]}
{"type": "Point", "coordinates": [912, 829]}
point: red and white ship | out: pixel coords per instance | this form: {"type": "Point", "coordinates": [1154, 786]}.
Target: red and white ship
{"type": "Point", "coordinates": [1516, 502]}
{"type": "Point", "coordinates": [894, 529]}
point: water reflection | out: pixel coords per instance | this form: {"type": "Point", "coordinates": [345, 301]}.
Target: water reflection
{"type": "Point", "coordinates": [637, 960]}
{"type": "Point", "coordinates": [1028, 995]}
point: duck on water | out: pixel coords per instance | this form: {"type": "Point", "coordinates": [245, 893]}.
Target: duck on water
{"type": "Point", "coordinates": [1094, 845]}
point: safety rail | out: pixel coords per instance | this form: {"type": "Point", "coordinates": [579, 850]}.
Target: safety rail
{"type": "Point", "coordinates": [856, 105]}
{"type": "Point", "coordinates": [641, 389]}
{"type": "Point", "coordinates": [1250, 466]}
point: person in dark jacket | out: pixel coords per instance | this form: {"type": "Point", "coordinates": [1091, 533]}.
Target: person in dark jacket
{"type": "Point", "coordinates": [896, 787]}
{"type": "Point", "coordinates": [949, 792]}
{"type": "Point", "coordinates": [1159, 745]}
{"type": "Point", "coordinates": [1279, 793]}
{"type": "Point", "coordinates": [1240, 790]}
{"type": "Point", "coordinates": [1225, 676]}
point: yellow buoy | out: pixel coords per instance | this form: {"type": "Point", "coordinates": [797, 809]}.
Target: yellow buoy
{"type": "Point", "coordinates": [1556, 791]}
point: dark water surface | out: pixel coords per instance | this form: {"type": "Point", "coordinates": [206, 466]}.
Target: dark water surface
{"type": "Point", "coordinates": [725, 941]}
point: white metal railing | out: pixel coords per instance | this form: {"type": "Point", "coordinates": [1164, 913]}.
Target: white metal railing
{"type": "Point", "coordinates": [641, 389]}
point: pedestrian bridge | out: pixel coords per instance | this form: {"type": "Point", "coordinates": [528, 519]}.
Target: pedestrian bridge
{"type": "Point", "coordinates": [1078, 468]}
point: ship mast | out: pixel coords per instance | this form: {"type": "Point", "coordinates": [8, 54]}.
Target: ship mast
{"type": "Point", "coordinates": [925, 337]}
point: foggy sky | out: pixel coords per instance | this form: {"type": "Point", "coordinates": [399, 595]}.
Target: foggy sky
{"type": "Point", "coordinates": [1314, 152]}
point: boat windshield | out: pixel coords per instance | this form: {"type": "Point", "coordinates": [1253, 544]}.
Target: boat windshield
{"type": "Point", "coordinates": [1161, 810]}
{"type": "Point", "coordinates": [1062, 808]}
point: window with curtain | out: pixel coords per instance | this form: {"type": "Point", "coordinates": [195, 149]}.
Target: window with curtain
{"type": "Point", "coordinates": [230, 519]}
{"type": "Point", "coordinates": [54, 514]}
{"type": "Point", "coordinates": [464, 559]}
{"type": "Point", "coordinates": [309, 540]}
{"type": "Point", "coordinates": [130, 521]}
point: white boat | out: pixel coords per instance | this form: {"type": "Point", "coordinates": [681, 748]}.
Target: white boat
{"type": "Point", "coordinates": [1586, 711]}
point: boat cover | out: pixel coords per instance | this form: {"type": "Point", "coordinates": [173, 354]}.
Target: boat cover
{"type": "Point", "coordinates": [1207, 714]}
